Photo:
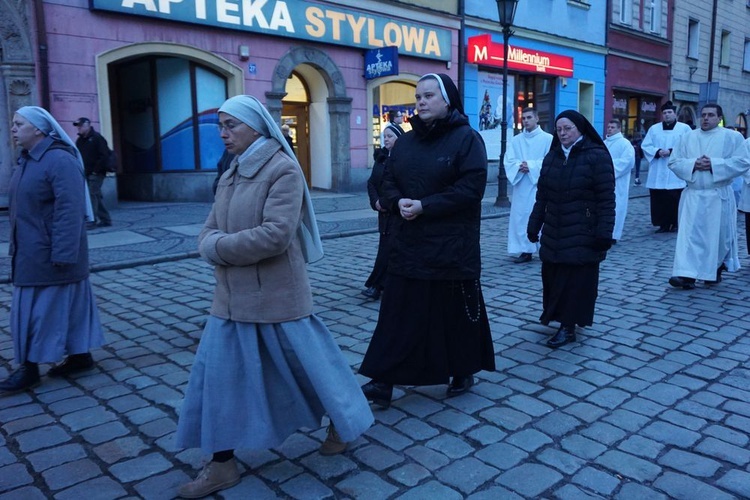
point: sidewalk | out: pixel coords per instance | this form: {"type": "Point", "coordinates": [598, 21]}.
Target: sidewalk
{"type": "Point", "coordinates": [149, 233]}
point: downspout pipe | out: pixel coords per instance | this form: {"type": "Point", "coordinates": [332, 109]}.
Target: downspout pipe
{"type": "Point", "coordinates": [713, 43]}
{"type": "Point", "coordinates": [43, 62]}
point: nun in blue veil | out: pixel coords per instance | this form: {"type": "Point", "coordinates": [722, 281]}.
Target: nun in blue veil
{"type": "Point", "coordinates": [53, 309]}
{"type": "Point", "coordinates": [266, 366]}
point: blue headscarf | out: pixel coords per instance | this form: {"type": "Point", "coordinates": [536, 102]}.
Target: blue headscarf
{"type": "Point", "coordinates": [252, 113]}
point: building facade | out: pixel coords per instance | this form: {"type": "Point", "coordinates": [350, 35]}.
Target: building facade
{"type": "Point", "coordinates": [638, 63]}
{"type": "Point", "coordinates": [553, 65]}
{"type": "Point", "coordinates": [151, 74]}
{"type": "Point", "coordinates": [711, 59]}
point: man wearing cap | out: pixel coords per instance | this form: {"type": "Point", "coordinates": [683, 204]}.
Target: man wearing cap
{"type": "Point", "coordinates": [95, 153]}
{"type": "Point", "coordinates": [664, 186]}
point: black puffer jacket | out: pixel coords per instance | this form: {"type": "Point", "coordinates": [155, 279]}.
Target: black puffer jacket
{"type": "Point", "coordinates": [575, 204]}
{"type": "Point", "coordinates": [445, 167]}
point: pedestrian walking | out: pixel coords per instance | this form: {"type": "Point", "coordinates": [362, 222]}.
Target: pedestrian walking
{"type": "Point", "coordinates": [266, 366]}
{"type": "Point", "coordinates": [708, 159]}
{"type": "Point", "coordinates": [575, 211]}
{"type": "Point", "coordinates": [623, 160]}
{"type": "Point", "coordinates": [376, 281]}
{"type": "Point", "coordinates": [433, 326]}
{"type": "Point", "coordinates": [95, 154]}
{"type": "Point", "coordinates": [523, 162]}
{"type": "Point", "coordinates": [744, 203]}
{"type": "Point", "coordinates": [53, 310]}
{"type": "Point", "coordinates": [663, 185]}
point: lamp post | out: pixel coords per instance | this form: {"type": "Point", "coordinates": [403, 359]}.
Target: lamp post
{"type": "Point", "coordinates": [506, 10]}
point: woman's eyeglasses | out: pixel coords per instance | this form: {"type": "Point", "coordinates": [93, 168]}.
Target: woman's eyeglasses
{"type": "Point", "coordinates": [566, 128]}
{"type": "Point", "coordinates": [229, 126]}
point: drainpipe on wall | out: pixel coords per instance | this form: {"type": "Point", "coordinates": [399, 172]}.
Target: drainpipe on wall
{"type": "Point", "coordinates": [713, 43]}
{"type": "Point", "coordinates": [41, 37]}
{"type": "Point", "coordinates": [461, 34]}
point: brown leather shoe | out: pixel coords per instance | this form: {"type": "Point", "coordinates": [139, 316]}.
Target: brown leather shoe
{"type": "Point", "coordinates": [333, 445]}
{"type": "Point", "coordinates": [215, 476]}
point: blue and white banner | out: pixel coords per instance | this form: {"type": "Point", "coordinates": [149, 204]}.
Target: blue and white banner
{"type": "Point", "coordinates": [381, 62]}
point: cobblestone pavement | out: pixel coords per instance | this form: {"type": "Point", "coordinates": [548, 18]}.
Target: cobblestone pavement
{"type": "Point", "coordinates": [652, 402]}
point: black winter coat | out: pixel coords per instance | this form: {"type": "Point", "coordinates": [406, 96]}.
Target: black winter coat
{"type": "Point", "coordinates": [374, 188]}
{"type": "Point", "coordinates": [94, 151]}
{"type": "Point", "coordinates": [575, 204]}
{"type": "Point", "coordinates": [445, 167]}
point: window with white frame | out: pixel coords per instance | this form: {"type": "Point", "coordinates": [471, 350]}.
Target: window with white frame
{"type": "Point", "coordinates": [746, 59]}
{"type": "Point", "coordinates": [694, 29]}
{"type": "Point", "coordinates": [655, 16]}
{"type": "Point", "coordinates": [626, 12]}
{"type": "Point", "coordinates": [725, 47]}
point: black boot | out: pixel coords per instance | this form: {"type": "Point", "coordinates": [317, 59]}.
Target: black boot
{"type": "Point", "coordinates": [682, 282]}
{"type": "Point", "coordinates": [371, 293]}
{"type": "Point", "coordinates": [459, 385]}
{"type": "Point", "coordinates": [26, 377]}
{"type": "Point", "coordinates": [73, 364]}
{"type": "Point", "coordinates": [565, 335]}
{"type": "Point", "coordinates": [379, 393]}
{"type": "Point", "coordinates": [721, 268]}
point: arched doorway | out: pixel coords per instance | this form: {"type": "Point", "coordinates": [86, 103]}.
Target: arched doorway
{"type": "Point", "coordinates": [158, 105]}
{"type": "Point", "coordinates": [295, 114]}
{"type": "Point", "coordinates": [328, 114]}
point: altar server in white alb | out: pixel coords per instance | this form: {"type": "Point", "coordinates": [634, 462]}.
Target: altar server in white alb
{"type": "Point", "coordinates": [708, 159]}
{"type": "Point", "coordinates": [623, 158]}
{"type": "Point", "coordinates": [523, 162]}
{"type": "Point", "coordinates": [664, 186]}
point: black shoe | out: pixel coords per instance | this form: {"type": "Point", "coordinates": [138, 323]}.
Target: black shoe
{"type": "Point", "coordinates": [103, 224]}
{"type": "Point", "coordinates": [524, 257]}
{"type": "Point", "coordinates": [91, 225]}
{"type": "Point", "coordinates": [564, 335]}
{"type": "Point", "coordinates": [673, 229]}
{"type": "Point", "coordinates": [26, 377]}
{"type": "Point", "coordinates": [682, 282]}
{"type": "Point", "coordinates": [663, 229]}
{"type": "Point", "coordinates": [459, 385]}
{"type": "Point", "coordinates": [721, 268]}
{"type": "Point", "coordinates": [379, 393]}
{"type": "Point", "coordinates": [73, 364]}
{"type": "Point", "coordinates": [637, 181]}
{"type": "Point", "coordinates": [371, 293]}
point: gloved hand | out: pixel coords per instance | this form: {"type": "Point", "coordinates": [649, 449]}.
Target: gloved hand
{"type": "Point", "coordinates": [602, 244]}
{"type": "Point", "coordinates": [533, 237]}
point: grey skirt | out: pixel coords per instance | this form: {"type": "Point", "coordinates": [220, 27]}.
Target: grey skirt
{"type": "Point", "coordinates": [254, 385]}
{"type": "Point", "coordinates": [48, 322]}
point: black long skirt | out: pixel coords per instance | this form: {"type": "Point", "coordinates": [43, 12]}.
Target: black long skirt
{"type": "Point", "coordinates": [664, 205]}
{"type": "Point", "coordinates": [569, 294]}
{"type": "Point", "coordinates": [380, 269]}
{"type": "Point", "coordinates": [429, 331]}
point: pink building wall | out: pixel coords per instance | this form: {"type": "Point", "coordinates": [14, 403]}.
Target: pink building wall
{"type": "Point", "coordinates": [77, 35]}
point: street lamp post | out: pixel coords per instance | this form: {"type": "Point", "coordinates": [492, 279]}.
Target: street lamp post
{"type": "Point", "coordinates": [506, 10]}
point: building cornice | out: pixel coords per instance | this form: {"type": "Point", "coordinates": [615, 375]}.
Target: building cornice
{"type": "Point", "coordinates": [483, 24]}
{"type": "Point", "coordinates": [636, 57]}
{"type": "Point", "coordinates": [639, 34]}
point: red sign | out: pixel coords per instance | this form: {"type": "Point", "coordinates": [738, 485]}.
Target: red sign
{"type": "Point", "coordinates": [483, 51]}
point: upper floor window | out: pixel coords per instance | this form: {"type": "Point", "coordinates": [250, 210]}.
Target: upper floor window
{"type": "Point", "coordinates": [725, 47]}
{"type": "Point", "coordinates": [694, 29]}
{"type": "Point", "coordinates": [746, 59]}
{"type": "Point", "coordinates": [626, 12]}
{"type": "Point", "coordinates": [655, 16]}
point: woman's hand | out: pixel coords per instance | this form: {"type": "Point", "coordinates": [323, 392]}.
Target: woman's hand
{"type": "Point", "coordinates": [409, 209]}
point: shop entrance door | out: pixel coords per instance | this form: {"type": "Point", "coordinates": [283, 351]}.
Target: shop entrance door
{"type": "Point", "coordinates": [297, 116]}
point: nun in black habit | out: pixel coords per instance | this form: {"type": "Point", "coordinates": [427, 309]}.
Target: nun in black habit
{"type": "Point", "coordinates": [575, 211]}
{"type": "Point", "coordinates": [433, 326]}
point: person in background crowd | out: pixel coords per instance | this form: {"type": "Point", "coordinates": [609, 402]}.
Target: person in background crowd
{"type": "Point", "coordinates": [95, 153]}
{"type": "Point", "coordinates": [575, 211]}
{"type": "Point", "coordinates": [286, 131]}
{"type": "Point", "coordinates": [376, 281]}
{"type": "Point", "coordinates": [707, 159]}
{"type": "Point", "coordinates": [636, 142]}
{"type": "Point", "coordinates": [664, 186]}
{"type": "Point", "coordinates": [433, 326]}
{"type": "Point", "coordinates": [523, 162]}
{"type": "Point", "coordinates": [395, 118]}
{"type": "Point", "coordinates": [266, 366]}
{"type": "Point", "coordinates": [744, 203]}
{"type": "Point", "coordinates": [623, 159]}
{"type": "Point", "coordinates": [53, 310]}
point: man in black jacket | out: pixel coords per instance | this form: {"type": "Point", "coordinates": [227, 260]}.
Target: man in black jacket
{"type": "Point", "coordinates": [95, 153]}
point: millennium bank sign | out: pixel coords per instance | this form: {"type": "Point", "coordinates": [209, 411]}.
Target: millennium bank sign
{"type": "Point", "coordinates": [296, 19]}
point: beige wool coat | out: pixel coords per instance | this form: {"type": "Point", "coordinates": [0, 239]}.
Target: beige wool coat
{"type": "Point", "coordinates": [251, 238]}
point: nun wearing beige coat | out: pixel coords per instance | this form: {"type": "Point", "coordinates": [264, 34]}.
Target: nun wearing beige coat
{"type": "Point", "coordinates": [266, 366]}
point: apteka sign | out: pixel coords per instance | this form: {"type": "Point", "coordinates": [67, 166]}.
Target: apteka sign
{"type": "Point", "coordinates": [481, 50]}
{"type": "Point", "coordinates": [296, 19]}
